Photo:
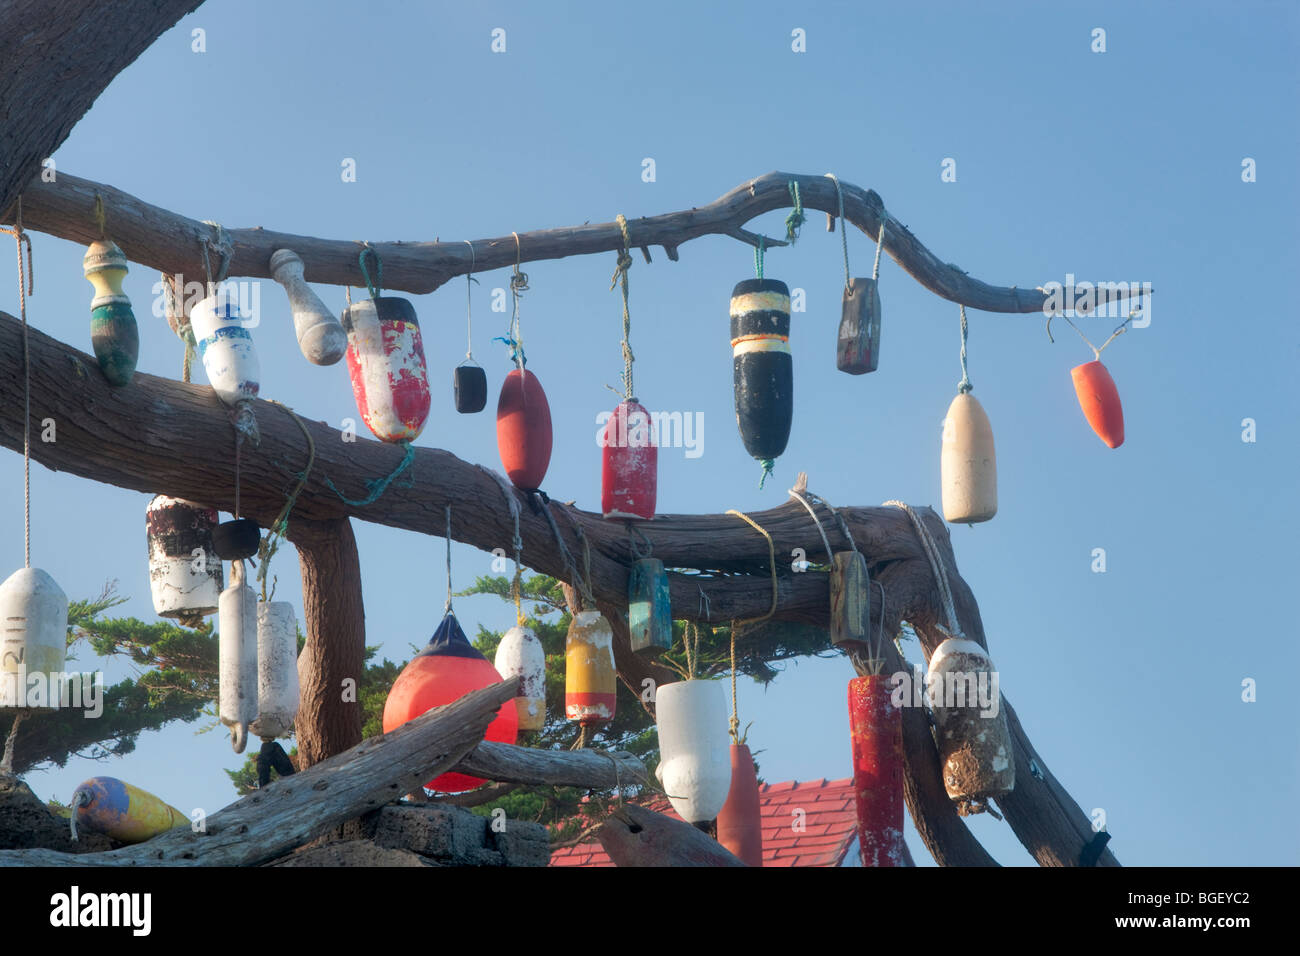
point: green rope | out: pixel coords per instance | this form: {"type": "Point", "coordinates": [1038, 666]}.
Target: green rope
{"type": "Point", "coordinates": [768, 464]}
{"type": "Point", "coordinates": [796, 217]}
{"type": "Point", "coordinates": [758, 256]}
{"type": "Point", "coordinates": [372, 287]}
{"type": "Point", "coordinates": [377, 486]}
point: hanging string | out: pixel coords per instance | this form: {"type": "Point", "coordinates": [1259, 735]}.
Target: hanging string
{"type": "Point", "coordinates": [280, 526]}
{"type": "Point", "coordinates": [516, 590]}
{"type": "Point", "coordinates": [880, 244]}
{"type": "Point", "coordinates": [844, 237]}
{"type": "Point", "coordinates": [223, 247]}
{"type": "Point", "coordinates": [581, 586]}
{"type": "Point", "coordinates": [937, 567]}
{"type": "Point", "coordinates": [1123, 327]}
{"type": "Point", "coordinates": [620, 274]}
{"type": "Point", "coordinates": [469, 305]}
{"type": "Point", "coordinates": [518, 286]}
{"type": "Point", "coordinates": [825, 543]}
{"type": "Point", "coordinates": [376, 286]}
{"type": "Point", "coordinates": [734, 722]}
{"type": "Point", "coordinates": [178, 320]}
{"type": "Point", "coordinates": [758, 256]}
{"type": "Point", "coordinates": [376, 486]}
{"type": "Point", "coordinates": [447, 607]}
{"type": "Point", "coordinates": [21, 238]}
{"type": "Point", "coordinates": [964, 385]}
{"type": "Point", "coordinates": [796, 217]}
{"type": "Point", "coordinates": [771, 554]}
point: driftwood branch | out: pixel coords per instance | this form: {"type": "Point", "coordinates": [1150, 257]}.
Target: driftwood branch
{"type": "Point", "coordinates": [592, 769]}
{"type": "Point", "coordinates": [635, 836]}
{"type": "Point", "coordinates": [293, 810]}
{"type": "Point", "coordinates": [169, 242]}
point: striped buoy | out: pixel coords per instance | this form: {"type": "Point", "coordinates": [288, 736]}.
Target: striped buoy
{"type": "Point", "coordinates": [694, 760]}
{"type": "Point", "coordinates": [524, 430]}
{"type": "Point", "coordinates": [321, 338]}
{"type": "Point", "coordinates": [277, 669]}
{"type": "Point", "coordinates": [113, 331]}
{"type": "Point", "coordinates": [34, 624]}
{"type": "Point", "coordinates": [122, 812]}
{"type": "Point", "coordinates": [590, 678]}
{"type": "Point", "coordinates": [520, 655]}
{"type": "Point", "coordinates": [1099, 399]}
{"type": "Point", "coordinates": [876, 732]}
{"type": "Point", "coordinates": [975, 750]}
{"type": "Point", "coordinates": [237, 661]}
{"type": "Point", "coordinates": [857, 350]}
{"type": "Point", "coordinates": [968, 467]}
{"type": "Point", "coordinates": [762, 367]}
{"type": "Point", "coordinates": [386, 362]}
{"type": "Point", "coordinates": [740, 821]}
{"type": "Point", "coordinates": [184, 571]}
{"type": "Point", "coordinates": [649, 608]}
{"type": "Point", "coordinates": [629, 463]}
{"type": "Point", "coordinates": [226, 347]}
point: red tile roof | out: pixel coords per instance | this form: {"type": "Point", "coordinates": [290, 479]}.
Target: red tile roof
{"type": "Point", "coordinates": [827, 826]}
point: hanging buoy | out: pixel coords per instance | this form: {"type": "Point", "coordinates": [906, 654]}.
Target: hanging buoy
{"type": "Point", "coordinates": [113, 330]}
{"type": "Point", "coordinates": [446, 670]}
{"type": "Point", "coordinates": [226, 347]}
{"type": "Point", "coordinates": [968, 467]}
{"type": "Point", "coordinates": [524, 430]}
{"type": "Point", "coordinates": [1099, 399]}
{"type": "Point", "coordinates": [34, 621]}
{"type": "Point", "coordinates": [184, 570]}
{"type": "Point", "coordinates": [469, 382]}
{"type": "Point", "coordinates": [122, 812]}
{"type": "Point", "coordinates": [850, 600]}
{"type": "Point", "coordinates": [740, 821]}
{"type": "Point", "coordinates": [386, 361]}
{"type": "Point", "coordinates": [876, 731]}
{"type": "Point", "coordinates": [694, 762]}
{"type": "Point", "coordinates": [590, 678]}
{"type": "Point", "coordinates": [321, 338]}
{"type": "Point", "coordinates": [762, 367]}
{"type": "Point", "coordinates": [975, 750]}
{"type": "Point", "coordinates": [857, 350]}
{"type": "Point", "coordinates": [520, 655]}
{"type": "Point", "coordinates": [277, 669]}
{"type": "Point", "coordinates": [237, 650]}
{"type": "Point", "coordinates": [649, 608]}
{"type": "Point", "coordinates": [629, 463]}
{"type": "Point", "coordinates": [237, 539]}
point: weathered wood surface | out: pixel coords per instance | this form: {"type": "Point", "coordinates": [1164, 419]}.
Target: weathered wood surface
{"type": "Point", "coordinates": [58, 56]}
{"type": "Point", "coordinates": [592, 769]}
{"type": "Point", "coordinates": [164, 240]}
{"type": "Point", "coordinates": [293, 810]}
{"type": "Point", "coordinates": [635, 836]}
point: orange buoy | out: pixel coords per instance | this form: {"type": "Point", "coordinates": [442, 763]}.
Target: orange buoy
{"type": "Point", "coordinates": [524, 429]}
{"type": "Point", "coordinates": [446, 670]}
{"type": "Point", "coordinates": [740, 821]}
{"type": "Point", "coordinates": [1099, 399]}
{"type": "Point", "coordinates": [590, 677]}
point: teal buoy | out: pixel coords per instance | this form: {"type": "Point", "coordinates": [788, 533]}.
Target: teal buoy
{"type": "Point", "coordinates": [113, 331]}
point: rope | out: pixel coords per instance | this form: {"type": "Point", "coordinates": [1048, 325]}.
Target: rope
{"type": "Point", "coordinates": [758, 256]}
{"type": "Point", "coordinates": [583, 588]}
{"type": "Point", "coordinates": [880, 243]}
{"type": "Point", "coordinates": [518, 286]}
{"type": "Point", "coordinates": [280, 526]}
{"type": "Point", "coordinates": [936, 567]}
{"type": "Point", "coordinates": [20, 237]}
{"type": "Point", "coordinates": [825, 543]}
{"type": "Point", "coordinates": [620, 274]}
{"type": "Point", "coordinates": [178, 320]}
{"type": "Point", "coordinates": [796, 217]}
{"type": "Point", "coordinates": [376, 486]}
{"type": "Point", "coordinates": [839, 520]}
{"type": "Point", "coordinates": [469, 302]}
{"type": "Point", "coordinates": [375, 287]}
{"type": "Point", "coordinates": [844, 237]}
{"type": "Point", "coordinates": [447, 607]}
{"type": "Point", "coordinates": [964, 385]}
{"type": "Point", "coordinates": [223, 247]}
{"type": "Point", "coordinates": [768, 465]}
{"type": "Point", "coordinates": [515, 586]}
{"type": "Point", "coordinates": [771, 553]}
{"type": "Point", "coordinates": [735, 712]}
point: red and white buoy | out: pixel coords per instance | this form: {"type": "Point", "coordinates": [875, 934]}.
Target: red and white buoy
{"type": "Point", "coordinates": [520, 655]}
{"type": "Point", "coordinates": [876, 731]}
{"type": "Point", "coordinates": [390, 380]}
{"type": "Point", "coordinates": [629, 463]}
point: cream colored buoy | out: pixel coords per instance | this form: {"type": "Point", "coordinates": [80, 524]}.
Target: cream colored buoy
{"type": "Point", "coordinates": [694, 750]}
{"type": "Point", "coordinates": [34, 612]}
{"type": "Point", "coordinates": [238, 657]}
{"type": "Point", "coordinates": [520, 655]}
{"type": "Point", "coordinates": [975, 749]}
{"type": "Point", "coordinates": [277, 669]}
{"type": "Point", "coordinates": [321, 338]}
{"type": "Point", "coordinates": [967, 464]}
{"type": "Point", "coordinates": [226, 347]}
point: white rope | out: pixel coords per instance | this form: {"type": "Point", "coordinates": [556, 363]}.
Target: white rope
{"type": "Point", "coordinates": [469, 302]}
{"type": "Point", "coordinates": [936, 566]}
{"type": "Point", "coordinates": [447, 609]}
{"type": "Point", "coordinates": [825, 543]}
{"type": "Point", "coordinates": [880, 244]}
{"type": "Point", "coordinates": [844, 237]}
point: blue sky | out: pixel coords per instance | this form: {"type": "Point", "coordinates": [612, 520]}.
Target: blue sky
{"type": "Point", "coordinates": [1122, 165]}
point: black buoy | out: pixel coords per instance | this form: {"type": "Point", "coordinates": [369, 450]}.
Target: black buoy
{"type": "Point", "coordinates": [237, 539]}
{"type": "Point", "coordinates": [764, 373]}
{"type": "Point", "coordinates": [470, 384]}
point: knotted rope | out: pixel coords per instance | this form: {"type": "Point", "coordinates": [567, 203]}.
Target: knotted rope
{"type": "Point", "coordinates": [796, 217]}
{"type": "Point", "coordinates": [620, 275]}
{"type": "Point", "coordinates": [936, 567]}
{"type": "Point", "coordinates": [21, 238]}
{"type": "Point", "coordinates": [376, 486]}
{"type": "Point", "coordinates": [964, 385]}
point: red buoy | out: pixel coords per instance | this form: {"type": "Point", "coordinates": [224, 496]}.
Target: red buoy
{"type": "Point", "coordinates": [876, 727]}
{"type": "Point", "coordinates": [630, 463]}
{"type": "Point", "coordinates": [524, 430]}
{"type": "Point", "coordinates": [1099, 399]}
{"type": "Point", "coordinates": [446, 670]}
{"type": "Point", "coordinates": [740, 821]}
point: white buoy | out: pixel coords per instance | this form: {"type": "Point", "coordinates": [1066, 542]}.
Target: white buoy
{"type": "Point", "coordinates": [184, 571]}
{"type": "Point", "coordinates": [975, 750]}
{"type": "Point", "coordinates": [238, 657]}
{"type": "Point", "coordinates": [967, 465]}
{"type": "Point", "coordinates": [226, 347]}
{"type": "Point", "coordinates": [34, 616]}
{"type": "Point", "coordinates": [694, 748]}
{"type": "Point", "coordinates": [320, 335]}
{"type": "Point", "coordinates": [520, 655]}
{"type": "Point", "coordinates": [277, 669]}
